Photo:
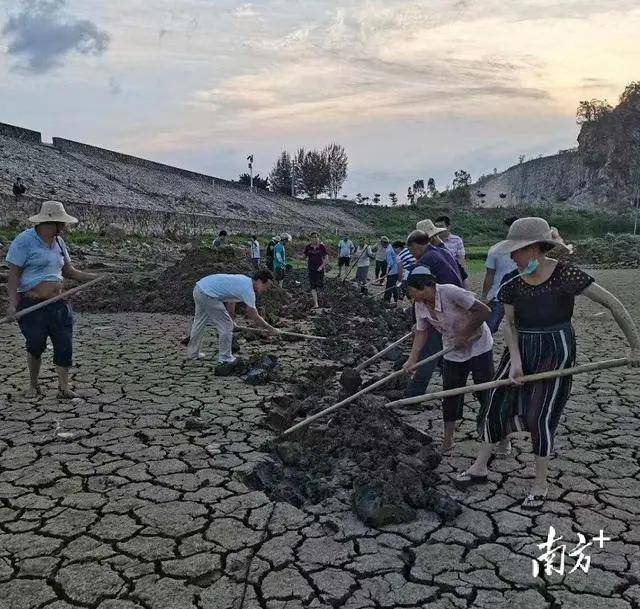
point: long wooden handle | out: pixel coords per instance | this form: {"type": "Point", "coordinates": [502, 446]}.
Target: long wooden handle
{"type": "Point", "coordinates": [282, 332]}
{"type": "Point", "coordinates": [378, 355]}
{"type": "Point", "coordinates": [368, 389]}
{"type": "Point", "coordinates": [539, 376]}
{"type": "Point", "coordinates": [353, 266]}
{"type": "Point", "coordinates": [49, 301]}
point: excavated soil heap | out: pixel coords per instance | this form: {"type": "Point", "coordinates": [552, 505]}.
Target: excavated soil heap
{"type": "Point", "coordinates": [363, 455]}
{"type": "Point", "coordinates": [171, 291]}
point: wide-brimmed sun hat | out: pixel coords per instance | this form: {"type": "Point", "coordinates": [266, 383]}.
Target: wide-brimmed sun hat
{"type": "Point", "coordinates": [52, 211]}
{"type": "Point", "coordinates": [527, 231]}
{"type": "Point", "coordinates": [428, 227]}
{"type": "Point", "coordinates": [384, 239]}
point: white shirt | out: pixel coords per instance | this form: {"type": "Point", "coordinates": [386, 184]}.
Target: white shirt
{"type": "Point", "coordinates": [363, 256]}
{"type": "Point", "coordinates": [229, 288]}
{"type": "Point", "coordinates": [450, 314]}
{"type": "Point", "coordinates": [502, 265]}
{"type": "Point", "coordinates": [455, 246]}
{"type": "Point", "coordinates": [255, 249]}
{"type": "Point", "coordinates": [345, 248]}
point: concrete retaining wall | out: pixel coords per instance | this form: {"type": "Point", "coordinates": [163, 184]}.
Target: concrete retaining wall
{"type": "Point", "coordinates": [20, 133]}
{"type": "Point", "coordinates": [98, 218]}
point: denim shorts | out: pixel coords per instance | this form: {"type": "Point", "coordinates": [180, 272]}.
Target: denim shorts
{"type": "Point", "coordinates": [55, 321]}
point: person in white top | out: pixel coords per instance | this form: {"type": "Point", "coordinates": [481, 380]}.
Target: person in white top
{"type": "Point", "coordinates": [216, 297]}
{"type": "Point", "coordinates": [345, 249]}
{"type": "Point", "coordinates": [364, 255]}
{"type": "Point", "coordinates": [254, 252]}
{"type": "Point", "coordinates": [453, 243]}
{"type": "Point", "coordinates": [460, 318]}
{"type": "Point", "coordinates": [498, 265]}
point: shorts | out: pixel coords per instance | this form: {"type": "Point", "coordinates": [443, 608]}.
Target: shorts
{"type": "Point", "coordinates": [279, 273]}
{"type": "Point", "coordinates": [344, 261]}
{"type": "Point", "coordinates": [316, 279]}
{"type": "Point", "coordinates": [362, 274]}
{"type": "Point", "coordinates": [55, 321]}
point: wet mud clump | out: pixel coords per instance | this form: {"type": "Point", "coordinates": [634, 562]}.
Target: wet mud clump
{"type": "Point", "coordinates": [350, 380]}
{"type": "Point", "coordinates": [365, 456]}
{"type": "Point", "coordinates": [256, 370]}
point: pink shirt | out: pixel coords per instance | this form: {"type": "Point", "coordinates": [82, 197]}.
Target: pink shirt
{"type": "Point", "coordinates": [452, 311]}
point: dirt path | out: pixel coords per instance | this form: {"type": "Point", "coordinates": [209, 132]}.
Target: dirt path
{"type": "Point", "coordinates": [109, 501]}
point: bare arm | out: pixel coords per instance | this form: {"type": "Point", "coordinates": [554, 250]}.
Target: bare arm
{"type": "Point", "coordinates": [255, 317]}
{"type": "Point", "coordinates": [231, 309]}
{"type": "Point", "coordinates": [419, 340]}
{"type": "Point", "coordinates": [480, 312]}
{"type": "Point", "coordinates": [69, 272]}
{"type": "Point", "coordinates": [489, 276]}
{"type": "Point", "coordinates": [603, 297]}
{"type": "Point", "coordinates": [511, 339]}
{"type": "Point", "coordinates": [12, 287]}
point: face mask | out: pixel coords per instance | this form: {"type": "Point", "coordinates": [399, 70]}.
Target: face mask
{"type": "Point", "coordinates": [531, 268]}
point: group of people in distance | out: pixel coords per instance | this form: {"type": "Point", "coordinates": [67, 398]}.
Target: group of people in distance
{"type": "Point", "coordinates": [532, 290]}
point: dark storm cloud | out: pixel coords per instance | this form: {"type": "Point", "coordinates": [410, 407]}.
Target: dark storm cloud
{"type": "Point", "coordinates": [41, 35]}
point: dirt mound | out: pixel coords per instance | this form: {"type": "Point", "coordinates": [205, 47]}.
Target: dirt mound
{"type": "Point", "coordinates": [171, 291]}
{"type": "Point", "coordinates": [365, 455]}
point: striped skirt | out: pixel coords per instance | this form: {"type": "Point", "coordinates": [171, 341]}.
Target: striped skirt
{"type": "Point", "coordinates": [533, 407]}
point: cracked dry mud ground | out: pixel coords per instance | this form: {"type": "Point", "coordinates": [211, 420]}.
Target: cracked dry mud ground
{"type": "Point", "coordinates": [134, 511]}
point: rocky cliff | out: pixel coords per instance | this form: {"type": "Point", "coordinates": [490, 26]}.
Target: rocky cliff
{"type": "Point", "coordinates": [603, 171]}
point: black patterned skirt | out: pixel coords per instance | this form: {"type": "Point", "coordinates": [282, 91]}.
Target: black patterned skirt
{"type": "Point", "coordinates": [533, 407]}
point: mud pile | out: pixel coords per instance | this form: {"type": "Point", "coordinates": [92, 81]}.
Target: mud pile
{"type": "Point", "coordinates": [364, 455]}
{"type": "Point", "coordinates": [171, 291]}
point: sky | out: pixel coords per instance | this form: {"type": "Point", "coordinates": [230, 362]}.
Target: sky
{"type": "Point", "coordinates": [411, 88]}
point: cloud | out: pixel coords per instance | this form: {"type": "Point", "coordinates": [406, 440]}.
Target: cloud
{"type": "Point", "coordinates": [245, 11]}
{"type": "Point", "coordinates": [115, 88]}
{"type": "Point", "coordinates": [41, 36]}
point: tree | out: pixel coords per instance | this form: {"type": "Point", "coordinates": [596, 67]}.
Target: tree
{"type": "Point", "coordinates": [418, 188]}
{"type": "Point", "coordinates": [393, 197]}
{"type": "Point", "coordinates": [521, 159]}
{"type": "Point", "coordinates": [337, 162]}
{"type": "Point", "coordinates": [411, 196]}
{"type": "Point", "coordinates": [376, 198]}
{"type": "Point", "coordinates": [258, 182]}
{"type": "Point", "coordinates": [590, 111]}
{"type": "Point", "coordinates": [312, 172]}
{"type": "Point", "coordinates": [359, 197]}
{"type": "Point", "coordinates": [280, 176]}
{"type": "Point", "coordinates": [461, 179]}
{"type": "Point", "coordinates": [431, 188]}
{"type": "Point", "coordinates": [631, 93]}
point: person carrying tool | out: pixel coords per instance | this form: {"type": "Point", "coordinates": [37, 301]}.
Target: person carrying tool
{"type": "Point", "coordinates": [38, 264]}
{"type": "Point", "coordinates": [317, 257]}
{"type": "Point", "coordinates": [345, 250]}
{"type": "Point", "coordinates": [394, 273]}
{"type": "Point", "coordinates": [538, 298]}
{"type": "Point", "coordinates": [460, 319]}
{"type": "Point", "coordinates": [363, 255]}
{"type": "Point", "coordinates": [444, 268]}
{"type": "Point", "coordinates": [269, 251]}
{"type": "Point", "coordinates": [216, 297]}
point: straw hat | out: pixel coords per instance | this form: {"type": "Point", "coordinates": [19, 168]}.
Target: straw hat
{"type": "Point", "coordinates": [53, 211]}
{"type": "Point", "coordinates": [527, 231]}
{"type": "Point", "coordinates": [384, 239]}
{"type": "Point", "coordinates": [428, 227]}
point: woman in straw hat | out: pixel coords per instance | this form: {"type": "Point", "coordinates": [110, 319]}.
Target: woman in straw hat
{"type": "Point", "coordinates": [38, 263]}
{"type": "Point", "coordinates": [538, 298]}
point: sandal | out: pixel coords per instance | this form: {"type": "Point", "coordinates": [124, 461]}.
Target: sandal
{"type": "Point", "coordinates": [465, 479]}
{"type": "Point", "coordinates": [534, 502]}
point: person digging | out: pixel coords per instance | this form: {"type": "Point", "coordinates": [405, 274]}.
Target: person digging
{"type": "Point", "coordinates": [39, 262]}
{"type": "Point", "coordinates": [317, 258]}
{"type": "Point", "coordinates": [216, 297]}
{"type": "Point", "coordinates": [460, 318]}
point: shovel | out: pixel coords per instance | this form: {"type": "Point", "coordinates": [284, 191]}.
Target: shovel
{"type": "Point", "coordinates": [539, 376]}
{"type": "Point", "coordinates": [49, 301]}
{"type": "Point", "coordinates": [353, 266]}
{"type": "Point", "coordinates": [282, 333]}
{"type": "Point", "coordinates": [362, 392]}
{"type": "Point", "coordinates": [350, 377]}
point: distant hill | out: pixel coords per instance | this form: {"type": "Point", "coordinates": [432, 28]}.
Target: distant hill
{"type": "Point", "coordinates": [602, 172]}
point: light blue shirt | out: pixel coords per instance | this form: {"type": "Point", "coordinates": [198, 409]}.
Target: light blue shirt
{"type": "Point", "coordinates": [392, 261]}
{"type": "Point", "coordinates": [38, 261]}
{"type": "Point", "coordinates": [229, 288]}
{"type": "Point", "coordinates": [279, 256]}
{"type": "Point", "coordinates": [502, 265]}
